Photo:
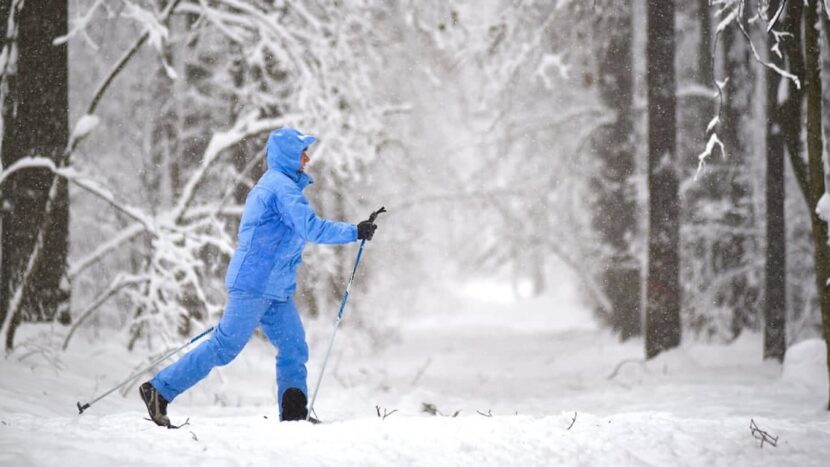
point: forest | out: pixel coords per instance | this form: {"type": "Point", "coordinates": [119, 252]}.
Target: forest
{"type": "Point", "coordinates": [636, 190]}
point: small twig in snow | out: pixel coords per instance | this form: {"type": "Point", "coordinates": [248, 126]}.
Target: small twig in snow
{"type": "Point", "coordinates": [195, 438]}
{"type": "Point", "coordinates": [176, 427]}
{"type": "Point", "coordinates": [572, 422]}
{"type": "Point", "coordinates": [762, 435]}
{"type": "Point", "coordinates": [433, 410]}
{"type": "Point", "coordinates": [620, 365]}
{"type": "Point", "coordinates": [385, 413]}
{"type": "Point", "coordinates": [488, 414]}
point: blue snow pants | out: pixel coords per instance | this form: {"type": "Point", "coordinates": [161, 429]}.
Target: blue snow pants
{"type": "Point", "coordinates": [279, 321]}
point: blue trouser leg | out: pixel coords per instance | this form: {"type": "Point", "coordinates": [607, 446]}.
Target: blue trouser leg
{"type": "Point", "coordinates": [281, 323]}
{"type": "Point", "coordinates": [241, 317]}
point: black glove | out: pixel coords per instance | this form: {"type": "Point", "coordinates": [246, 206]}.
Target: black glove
{"type": "Point", "coordinates": [366, 230]}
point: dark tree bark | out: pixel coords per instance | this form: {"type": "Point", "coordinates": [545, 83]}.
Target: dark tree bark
{"type": "Point", "coordinates": [775, 295]}
{"type": "Point", "coordinates": [792, 118]}
{"type": "Point", "coordinates": [35, 123]}
{"type": "Point", "coordinates": [812, 84]}
{"type": "Point", "coordinates": [704, 57]}
{"type": "Point", "coordinates": [781, 125]}
{"type": "Point", "coordinates": [615, 209]}
{"type": "Point", "coordinates": [662, 323]}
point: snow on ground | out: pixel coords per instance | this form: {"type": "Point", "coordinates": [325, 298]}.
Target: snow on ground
{"type": "Point", "coordinates": [517, 373]}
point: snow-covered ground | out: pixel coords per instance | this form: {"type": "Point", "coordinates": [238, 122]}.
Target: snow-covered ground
{"type": "Point", "coordinates": [533, 382]}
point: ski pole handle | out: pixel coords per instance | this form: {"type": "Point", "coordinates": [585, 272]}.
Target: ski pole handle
{"type": "Point", "coordinates": [375, 214]}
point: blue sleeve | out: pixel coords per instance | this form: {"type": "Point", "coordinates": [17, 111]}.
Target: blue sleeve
{"type": "Point", "coordinates": [297, 213]}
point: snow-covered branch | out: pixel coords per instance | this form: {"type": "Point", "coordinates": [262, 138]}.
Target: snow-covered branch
{"type": "Point", "coordinates": [119, 283]}
{"type": "Point", "coordinates": [81, 181]}
{"type": "Point", "coordinates": [293, 64]}
{"type": "Point", "coordinates": [104, 249]}
{"type": "Point", "coordinates": [150, 27]}
{"type": "Point", "coordinates": [245, 127]}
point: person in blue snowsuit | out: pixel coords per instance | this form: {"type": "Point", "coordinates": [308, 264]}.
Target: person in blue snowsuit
{"type": "Point", "coordinates": [276, 224]}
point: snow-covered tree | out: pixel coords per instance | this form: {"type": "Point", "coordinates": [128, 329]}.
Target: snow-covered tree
{"type": "Point", "coordinates": [34, 203]}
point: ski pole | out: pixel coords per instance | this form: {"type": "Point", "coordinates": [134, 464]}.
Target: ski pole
{"type": "Point", "coordinates": [372, 218]}
{"type": "Point", "coordinates": [138, 373]}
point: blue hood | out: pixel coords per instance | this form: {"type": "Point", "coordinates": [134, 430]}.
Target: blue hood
{"type": "Point", "coordinates": [283, 153]}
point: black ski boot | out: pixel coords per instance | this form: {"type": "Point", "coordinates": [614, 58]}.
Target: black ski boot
{"type": "Point", "coordinates": [293, 405]}
{"type": "Point", "coordinates": [156, 404]}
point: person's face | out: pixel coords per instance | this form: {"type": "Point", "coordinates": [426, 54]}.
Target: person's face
{"type": "Point", "coordinates": [304, 160]}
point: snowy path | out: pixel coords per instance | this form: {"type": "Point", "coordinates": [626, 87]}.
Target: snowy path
{"type": "Point", "coordinates": [529, 368]}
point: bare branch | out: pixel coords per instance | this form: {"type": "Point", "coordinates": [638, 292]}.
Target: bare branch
{"type": "Point", "coordinates": [119, 66]}
{"type": "Point", "coordinates": [785, 74]}
{"type": "Point", "coordinates": [777, 15]}
{"type": "Point", "coordinates": [122, 237]}
{"type": "Point", "coordinates": [622, 363]}
{"type": "Point", "coordinates": [81, 181]}
{"type": "Point", "coordinates": [572, 423]}
{"type": "Point", "coordinates": [80, 24]}
{"type": "Point", "coordinates": [119, 283]}
{"type": "Point", "coordinates": [762, 435]}
{"type": "Point", "coordinates": [385, 413]}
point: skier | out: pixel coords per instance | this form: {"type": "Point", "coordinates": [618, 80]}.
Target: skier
{"type": "Point", "coordinates": [276, 224]}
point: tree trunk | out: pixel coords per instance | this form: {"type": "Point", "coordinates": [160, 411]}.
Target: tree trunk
{"type": "Point", "coordinates": [781, 124]}
{"type": "Point", "coordinates": [35, 123]}
{"type": "Point", "coordinates": [662, 323]}
{"type": "Point", "coordinates": [812, 84]}
{"type": "Point", "coordinates": [615, 210]}
{"type": "Point", "coordinates": [704, 57]}
{"type": "Point", "coordinates": [775, 295]}
{"type": "Point", "coordinates": [733, 248]}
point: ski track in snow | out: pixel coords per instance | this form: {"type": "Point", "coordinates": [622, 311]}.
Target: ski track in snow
{"type": "Point", "coordinates": [531, 364]}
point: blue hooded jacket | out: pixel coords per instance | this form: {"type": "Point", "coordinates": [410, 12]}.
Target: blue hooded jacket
{"type": "Point", "coordinates": [278, 221]}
